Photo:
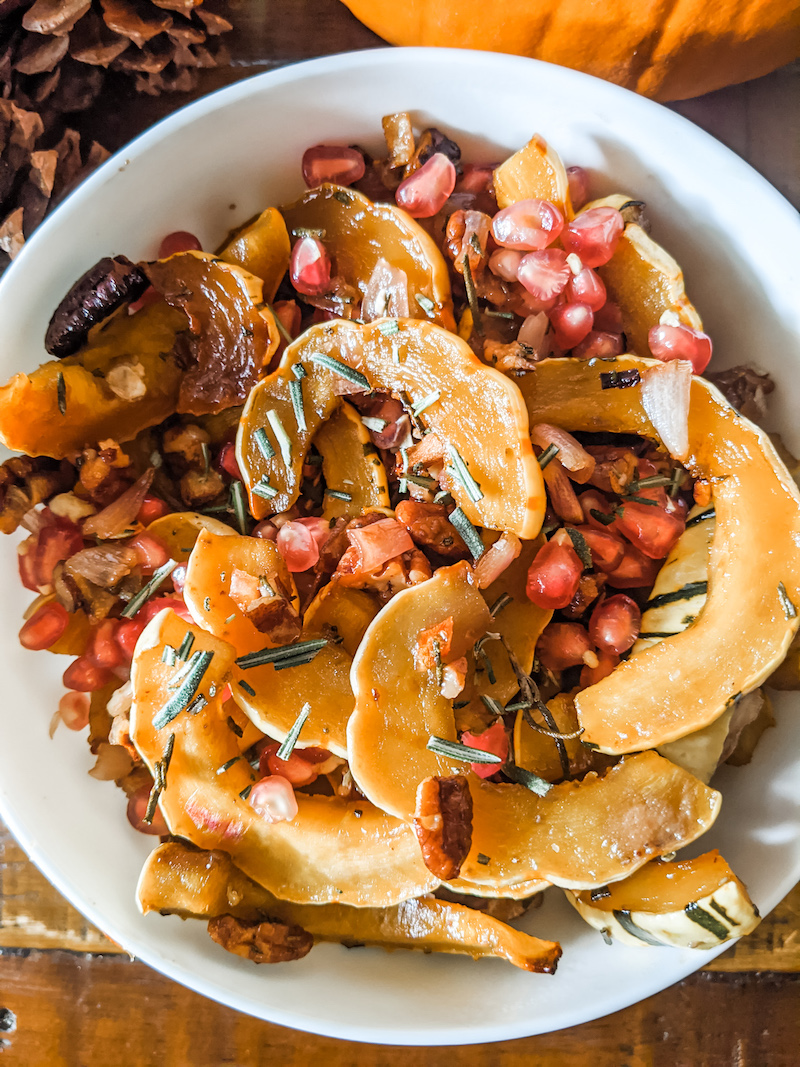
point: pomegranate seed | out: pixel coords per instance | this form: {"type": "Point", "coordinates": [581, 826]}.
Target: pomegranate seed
{"type": "Point", "coordinates": [528, 225]}
{"type": "Point", "coordinates": [677, 507]}
{"type": "Point", "coordinates": [295, 769]}
{"type": "Point", "coordinates": [152, 552]}
{"type": "Point", "coordinates": [606, 662]}
{"type": "Point", "coordinates": [104, 650]}
{"type": "Point", "coordinates": [298, 545]}
{"type": "Point", "coordinates": [681, 342]}
{"type": "Point", "coordinates": [425, 192]}
{"type": "Point", "coordinates": [636, 571]}
{"type": "Point", "coordinates": [44, 627]}
{"type": "Point", "coordinates": [332, 163]}
{"type": "Point", "coordinates": [310, 267]}
{"type": "Point", "coordinates": [606, 549]}
{"type": "Point", "coordinates": [128, 633]}
{"type": "Point", "coordinates": [476, 178]}
{"type": "Point", "coordinates": [179, 241]}
{"type": "Point", "coordinates": [54, 544]}
{"type": "Point", "coordinates": [73, 710]}
{"type": "Point", "coordinates": [562, 645]}
{"type": "Point", "coordinates": [594, 235]}
{"type": "Point", "coordinates": [137, 809]}
{"type": "Point", "coordinates": [578, 180]}
{"type": "Point", "coordinates": [599, 345]}
{"type": "Point", "coordinates": [504, 263]}
{"type": "Point", "coordinates": [650, 529]}
{"type": "Point", "coordinates": [26, 559]}
{"type": "Point", "coordinates": [226, 461]}
{"type": "Point", "coordinates": [553, 576]}
{"type": "Point", "coordinates": [86, 676]}
{"type": "Point", "coordinates": [615, 624]}
{"type": "Point", "coordinates": [266, 529]}
{"type": "Point", "coordinates": [149, 296]}
{"type": "Point", "coordinates": [609, 318]}
{"type": "Point", "coordinates": [153, 507]}
{"type": "Point", "coordinates": [544, 275]}
{"type": "Point", "coordinates": [571, 323]}
{"type": "Point", "coordinates": [495, 740]}
{"type": "Point", "coordinates": [273, 798]}
{"type": "Point", "coordinates": [586, 287]}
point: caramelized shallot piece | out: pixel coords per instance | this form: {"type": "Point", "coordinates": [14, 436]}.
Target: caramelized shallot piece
{"type": "Point", "coordinates": [571, 453]}
{"type": "Point", "coordinates": [443, 822]}
{"type": "Point", "coordinates": [497, 558]}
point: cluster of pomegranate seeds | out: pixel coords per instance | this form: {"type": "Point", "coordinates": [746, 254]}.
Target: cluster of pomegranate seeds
{"type": "Point", "coordinates": [426, 191]}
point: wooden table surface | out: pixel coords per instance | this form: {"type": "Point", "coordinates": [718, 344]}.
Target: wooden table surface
{"type": "Point", "coordinates": [67, 995]}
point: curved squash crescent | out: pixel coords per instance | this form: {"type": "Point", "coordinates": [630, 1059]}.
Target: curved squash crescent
{"type": "Point", "coordinates": [747, 623]}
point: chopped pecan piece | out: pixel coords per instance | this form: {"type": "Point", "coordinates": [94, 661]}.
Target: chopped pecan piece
{"type": "Point", "coordinates": [102, 289]}
{"type": "Point", "coordinates": [261, 942]}
{"type": "Point", "coordinates": [745, 389]}
{"type": "Point", "coordinates": [615, 470]}
{"type": "Point", "coordinates": [104, 474]}
{"type": "Point", "coordinates": [183, 447]}
{"type": "Point", "coordinates": [201, 488]}
{"type": "Point", "coordinates": [443, 822]}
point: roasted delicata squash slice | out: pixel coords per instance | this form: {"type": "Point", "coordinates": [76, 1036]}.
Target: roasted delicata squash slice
{"type": "Point", "coordinates": [343, 612]}
{"type": "Point", "coordinates": [363, 238]}
{"type": "Point", "coordinates": [644, 280]}
{"type": "Point", "coordinates": [534, 172]}
{"type": "Point", "coordinates": [180, 529]}
{"type": "Point", "coordinates": [695, 903]}
{"type": "Point", "coordinates": [578, 834]}
{"type": "Point", "coordinates": [232, 583]}
{"type": "Point", "coordinates": [122, 381]}
{"type": "Point", "coordinates": [686, 681]}
{"type": "Point", "coordinates": [354, 473]}
{"type": "Point", "coordinates": [332, 851]}
{"type": "Point", "coordinates": [535, 752]}
{"type": "Point", "coordinates": [262, 248]}
{"type": "Point", "coordinates": [475, 411]}
{"type": "Point", "coordinates": [177, 880]}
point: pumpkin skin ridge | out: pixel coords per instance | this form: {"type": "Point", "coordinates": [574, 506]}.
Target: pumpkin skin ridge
{"type": "Point", "coordinates": [603, 707]}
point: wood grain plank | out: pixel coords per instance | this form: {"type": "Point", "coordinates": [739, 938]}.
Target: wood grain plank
{"type": "Point", "coordinates": [67, 1011]}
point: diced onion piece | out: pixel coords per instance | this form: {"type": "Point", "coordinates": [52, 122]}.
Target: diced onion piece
{"type": "Point", "coordinates": [386, 293]}
{"type": "Point", "coordinates": [380, 542]}
{"type": "Point", "coordinates": [497, 558]}
{"type": "Point", "coordinates": [665, 397]}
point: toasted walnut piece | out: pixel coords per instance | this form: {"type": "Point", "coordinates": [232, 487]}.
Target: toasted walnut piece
{"type": "Point", "coordinates": [443, 822]}
{"type": "Point", "coordinates": [104, 474]}
{"type": "Point", "coordinates": [274, 616]}
{"type": "Point", "coordinates": [508, 357]}
{"type": "Point", "coordinates": [261, 942]}
{"type": "Point", "coordinates": [98, 292]}
{"type": "Point", "coordinates": [615, 469]}
{"type": "Point", "coordinates": [183, 447]}
{"type": "Point", "coordinates": [199, 488]}
{"type": "Point", "coordinates": [745, 388]}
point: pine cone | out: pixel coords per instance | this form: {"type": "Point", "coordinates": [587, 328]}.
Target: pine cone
{"type": "Point", "coordinates": [54, 53]}
{"type": "Point", "coordinates": [33, 172]}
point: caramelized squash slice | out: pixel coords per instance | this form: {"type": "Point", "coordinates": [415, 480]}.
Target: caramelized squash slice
{"type": "Point", "coordinates": [533, 172]}
{"type": "Point", "coordinates": [644, 280]}
{"type": "Point", "coordinates": [278, 696]}
{"type": "Point", "coordinates": [262, 248]}
{"type": "Point", "coordinates": [177, 880]}
{"type": "Point", "coordinates": [180, 529]}
{"type": "Point", "coordinates": [536, 752]}
{"type": "Point", "coordinates": [351, 466]}
{"type": "Point", "coordinates": [348, 852]}
{"type": "Point", "coordinates": [697, 903]}
{"type": "Point", "coordinates": [359, 234]}
{"type": "Point", "coordinates": [98, 384]}
{"type": "Point", "coordinates": [343, 612]}
{"type": "Point", "coordinates": [476, 411]}
{"type": "Point", "coordinates": [579, 834]}
{"type": "Point", "coordinates": [748, 621]}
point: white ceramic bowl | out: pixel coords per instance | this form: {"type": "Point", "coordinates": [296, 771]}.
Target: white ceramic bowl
{"type": "Point", "coordinates": [218, 162]}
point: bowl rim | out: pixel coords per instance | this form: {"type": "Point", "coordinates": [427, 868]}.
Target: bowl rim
{"type": "Point", "coordinates": [372, 58]}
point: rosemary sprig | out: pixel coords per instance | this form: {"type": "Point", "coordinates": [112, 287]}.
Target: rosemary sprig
{"type": "Point", "coordinates": [296, 391]}
{"type": "Point", "coordinates": [580, 546]}
{"type": "Point", "coordinates": [481, 653]}
{"type": "Point", "coordinates": [342, 369]}
{"type": "Point", "coordinates": [709, 513]}
{"type": "Point", "coordinates": [455, 750]}
{"type": "Point", "coordinates": [263, 442]}
{"type": "Point", "coordinates": [422, 480]}
{"type": "Point", "coordinates": [234, 726]}
{"type": "Point", "coordinates": [426, 304]}
{"type": "Point", "coordinates": [601, 517]}
{"type": "Point", "coordinates": [284, 655]}
{"type": "Point", "coordinates": [281, 436]}
{"type": "Point", "coordinates": [492, 705]}
{"type": "Point", "coordinates": [229, 763]}
{"type": "Point", "coordinates": [789, 609]}
{"type": "Point", "coordinates": [247, 687]}
{"type": "Point", "coordinates": [338, 494]}
{"type": "Point", "coordinates": [531, 781]}
{"type": "Point", "coordinates": [619, 379]}
{"type": "Point", "coordinates": [443, 497]}
{"type": "Point", "coordinates": [61, 392]}
{"type": "Point", "coordinates": [186, 693]}
{"type": "Point", "coordinates": [263, 489]}
{"type": "Point", "coordinates": [206, 457]}
{"type": "Point", "coordinates": [239, 506]}
{"type": "Point", "coordinates": [426, 402]}
{"type": "Point", "coordinates": [471, 487]}
{"type": "Point", "coordinates": [483, 859]}
{"type": "Point", "coordinates": [549, 454]}
{"type": "Point", "coordinates": [298, 370]}
{"type": "Point", "coordinates": [388, 329]}
{"type": "Point", "coordinates": [169, 656]}
{"type": "Point", "coordinates": [287, 746]}
{"type": "Point", "coordinates": [469, 534]}
{"type": "Point", "coordinates": [245, 793]}
{"type": "Point", "coordinates": [159, 780]}
{"type": "Point", "coordinates": [678, 478]}
{"type": "Point", "coordinates": [472, 297]}
{"type": "Point", "coordinates": [502, 602]}
{"type": "Point", "coordinates": [144, 594]}
{"type": "Point", "coordinates": [281, 328]}
{"type": "Point", "coordinates": [185, 646]}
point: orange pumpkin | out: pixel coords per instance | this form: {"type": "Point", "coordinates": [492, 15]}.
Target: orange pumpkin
{"type": "Point", "coordinates": [668, 53]}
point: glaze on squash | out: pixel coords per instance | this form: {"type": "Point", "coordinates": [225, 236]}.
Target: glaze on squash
{"type": "Point", "coordinates": [744, 629]}
{"type": "Point", "coordinates": [175, 880]}
{"type": "Point", "coordinates": [478, 414]}
{"type": "Point", "coordinates": [332, 851]}
{"type": "Point", "coordinates": [580, 834]}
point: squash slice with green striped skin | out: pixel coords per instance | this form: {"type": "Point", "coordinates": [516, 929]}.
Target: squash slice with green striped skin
{"type": "Point", "coordinates": [334, 850]}
{"type": "Point", "coordinates": [358, 234]}
{"type": "Point", "coordinates": [261, 247]}
{"type": "Point", "coordinates": [644, 280]}
{"type": "Point", "coordinates": [533, 172]}
{"type": "Point", "coordinates": [175, 880]}
{"type": "Point", "coordinates": [687, 681]}
{"type": "Point", "coordinates": [351, 465]}
{"type": "Point", "coordinates": [30, 419]}
{"type": "Point", "coordinates": [476, 412]}
{"type": "Point", "coordinates": [580, 834]}
{"type": "Point", "coordinates": [278, 696]}
{"type": "Point", "coordinates": [697, 903]}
